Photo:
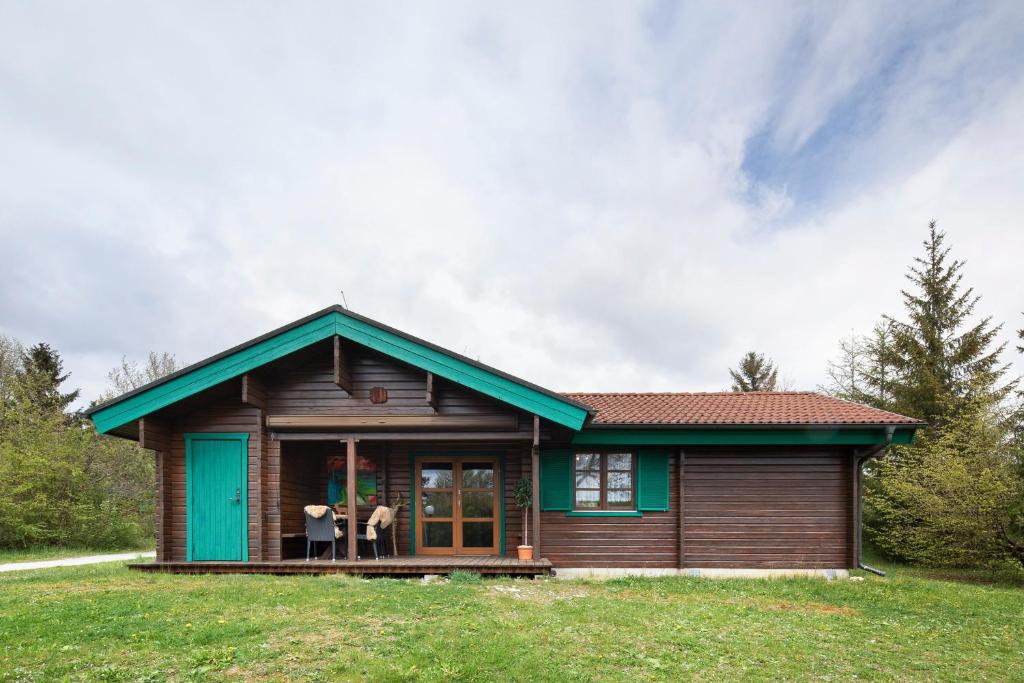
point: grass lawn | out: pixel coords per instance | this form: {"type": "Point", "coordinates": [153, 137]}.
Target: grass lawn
{"type": "Point", "coordinates": [105, 623]}
{"type": "Point", "coordinates": [55, 553]}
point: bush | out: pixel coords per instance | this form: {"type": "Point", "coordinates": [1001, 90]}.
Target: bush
{"type": "Point", "coordinates": [63, 484]}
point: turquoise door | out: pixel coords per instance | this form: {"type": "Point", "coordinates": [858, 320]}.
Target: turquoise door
{"type": "Point", "coordinates": [216, 484]}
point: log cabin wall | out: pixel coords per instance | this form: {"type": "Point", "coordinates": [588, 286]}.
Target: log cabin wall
{"type": "Point", "coordinates": [765, 508]}
{"type": "Point", "coordinates": [304, 384]}
{"type": "Point", "coordinates": [651, 541]}
{"type": "Point", "coordinates": [223, 415]}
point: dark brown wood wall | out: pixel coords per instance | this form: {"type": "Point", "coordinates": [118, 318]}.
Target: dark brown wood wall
{"type": "Point", "coordinates": [650, 541]}
{"type": "Point", "coordinates": [303, 384]}
{"type": "Point", "coordinates": [220, 416]}
{"type": "Point", "coordinates": [768, 509]}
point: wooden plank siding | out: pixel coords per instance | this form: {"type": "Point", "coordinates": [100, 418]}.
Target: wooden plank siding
{"type": "Point", "coordinates": [651, 541]}
{"type": "Point", "coordinates": [768, 509]}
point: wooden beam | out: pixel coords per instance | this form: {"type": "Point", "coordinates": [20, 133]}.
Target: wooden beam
{"type": "Point", "coordinates": [490, 437]}
{"type": "Point", "coordinates": [342, 374]}
{"type": "Point", "coordinates": [682, 517]}
{"type": "Point", "coordinates": [431, 396]}
{"type": "Point", "coordinates": [153, 434]}
{"type": "Point", "coordinates": [253, 392]}
{"type": "Point", "coordinates": [535, 475]}
{"type": "Point", "coordinates": [273, 499]}
{"type": "Point", "coordinates": [454, 422]}
{"type": "Point", "coordinates": [350, 494]}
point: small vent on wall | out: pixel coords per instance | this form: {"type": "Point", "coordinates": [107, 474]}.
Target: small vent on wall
{"type": "Point", "coordinates": [378, 395]}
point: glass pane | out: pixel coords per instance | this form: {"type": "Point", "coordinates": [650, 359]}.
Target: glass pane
{"type": "Point", "coordinates": [588, 480]}
{"type": "Point", "coordinates": [588, 461]}
{"type": "Point", "coordinates": [588, 499]}
{"type": "Point", "coordinates": [478, 475]}
{"type": "Point", "coordinates": [477, 504]}
{"type": "Point", "coordinates": [620, 461]}
{"type": "Point", "coordinates": [477, 534]}
{"type": "Point", "coordinates": [436, 475]}
{"type": "Point", "coordinates": [620, 480]}
{"type": "Point", "coordinates": [437, 504]}
{"type": "Point", "coordinates": [620, 498]}
{"type": "Point", "coordinates": [437, 534]}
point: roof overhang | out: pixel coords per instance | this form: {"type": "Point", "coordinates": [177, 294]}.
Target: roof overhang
{"type": "Point", "coordinates": [361, 330]}
{"type": "Point", "coordinates": [746, 435]}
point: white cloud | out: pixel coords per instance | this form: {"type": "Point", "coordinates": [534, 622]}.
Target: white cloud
{"type": "Point", "coordinates": [560, 191]}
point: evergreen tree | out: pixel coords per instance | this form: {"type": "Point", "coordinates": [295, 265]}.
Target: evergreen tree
{"type": "Point", "coordinates": [755, 373]}
{"type": "Point", "coordinates": [937, 363]}
{"type": "Point", "coordinates": [949, 500]}
{"type": "Point", "coordinates": [42, 375]}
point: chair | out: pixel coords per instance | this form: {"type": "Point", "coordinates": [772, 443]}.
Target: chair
{"type": "Point", "coordinates": [377, 543]}
{"type": "Point", "coordinates": [321, 530]}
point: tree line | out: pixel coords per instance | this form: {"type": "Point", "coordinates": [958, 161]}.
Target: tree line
{"type": "Point", "coordinates": [956, 496]}
{"type": "Point", "coordinates": [61, 483]}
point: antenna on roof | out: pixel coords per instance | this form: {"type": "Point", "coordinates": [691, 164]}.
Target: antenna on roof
{"type": "Point", "coordinates": [344, 303]}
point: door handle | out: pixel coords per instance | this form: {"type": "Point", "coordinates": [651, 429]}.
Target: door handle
{"type": "Point", "coordinates": [237, 498]}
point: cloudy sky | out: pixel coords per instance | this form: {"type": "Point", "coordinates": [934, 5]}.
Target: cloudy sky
{"type": "Point", "coordinates": [595, 196]}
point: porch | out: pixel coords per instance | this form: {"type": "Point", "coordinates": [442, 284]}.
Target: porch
{"type": "Point", "coordinates": [456, 499]}
{"type": "Point", "coordinates": [392, 566]}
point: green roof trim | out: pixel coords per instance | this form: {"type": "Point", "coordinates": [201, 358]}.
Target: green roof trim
{"type": "Point", "coordinates": [844, 435]}
{"type": "Point", "coordinates": [336, 320]}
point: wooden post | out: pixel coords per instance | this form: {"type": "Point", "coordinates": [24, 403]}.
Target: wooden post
{"type": "Point", "coordinates": [682, 516]}
{"type": "Point", "coordinates": [273, 501]}
{"type": "Point", "coordinates": [535, 475]}
{"type": "Point", "coordinates": [350, 495]}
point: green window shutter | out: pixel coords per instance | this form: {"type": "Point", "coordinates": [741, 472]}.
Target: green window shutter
{"type": "Point", "coordinates": [652, 479]}
{"type": "Point", "coordinates": [556, 479]}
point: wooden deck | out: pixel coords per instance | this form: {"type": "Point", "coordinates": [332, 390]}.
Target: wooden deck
{"type": "Point", "coordinates": [394, 566]}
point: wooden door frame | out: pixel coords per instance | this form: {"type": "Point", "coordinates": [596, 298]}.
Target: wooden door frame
{"type": "Point", "coordinates": [416, 513]}
{"type": "Point", "coordinates": [243, 439]}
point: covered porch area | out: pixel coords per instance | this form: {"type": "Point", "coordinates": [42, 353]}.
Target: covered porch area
{"type": "Point", "coordinates": [453, 502]}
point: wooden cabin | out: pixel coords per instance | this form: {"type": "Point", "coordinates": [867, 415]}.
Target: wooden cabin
{"type": "Point", "coordinates": [338, 409]}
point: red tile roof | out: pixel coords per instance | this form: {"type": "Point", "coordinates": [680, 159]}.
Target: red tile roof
{"type": "Point", "coordinates": [733, 408]}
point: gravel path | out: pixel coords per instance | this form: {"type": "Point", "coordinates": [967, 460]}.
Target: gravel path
{"type": "Point", "coordinates": [73, 561]}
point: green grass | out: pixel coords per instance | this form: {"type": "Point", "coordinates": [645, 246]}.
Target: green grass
{"type": "Point", "coordinates": [106, 623]}
{"type": "Point", "coordinates": [56, 553]}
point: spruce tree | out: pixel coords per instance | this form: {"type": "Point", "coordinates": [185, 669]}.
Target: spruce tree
{"type": "Point", "coordinates": [41, 378]}
{"type": "Point", "coordinates": [939, 359]}
{"type": "Point", "coordinates": [755, 373]}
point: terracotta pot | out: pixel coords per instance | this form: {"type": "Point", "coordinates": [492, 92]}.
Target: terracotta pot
{"type": "Point", "coordinates": [525, 552]}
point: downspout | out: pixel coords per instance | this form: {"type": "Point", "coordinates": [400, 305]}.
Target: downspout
{"type": "Point", "coordinates": [889, 431]}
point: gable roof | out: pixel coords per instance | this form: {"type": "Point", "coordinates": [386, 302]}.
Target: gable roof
{"type": "Point", "coordinates": [789, 408]}
{"type": "Point", "coordinates": [336, 320]}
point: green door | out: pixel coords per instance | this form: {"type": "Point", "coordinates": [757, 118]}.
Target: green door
{"type": "Point", "coordinates": [216, 484]}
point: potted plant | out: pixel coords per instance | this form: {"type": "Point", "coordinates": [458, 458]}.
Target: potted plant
{"type": "Point", "coordinates": [524, 499]}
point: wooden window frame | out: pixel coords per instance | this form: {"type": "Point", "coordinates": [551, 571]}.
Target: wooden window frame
{"type": "Point", "coordinates": [603, 505]}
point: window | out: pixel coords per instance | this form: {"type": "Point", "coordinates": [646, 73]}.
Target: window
{"type": "Point", "coordinates": [604, 481]}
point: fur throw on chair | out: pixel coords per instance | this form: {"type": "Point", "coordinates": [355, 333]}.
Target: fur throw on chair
{"type": "Point", "coordinates": [382, 514]}
{"type": "Point", "coordinates": [318, 511]}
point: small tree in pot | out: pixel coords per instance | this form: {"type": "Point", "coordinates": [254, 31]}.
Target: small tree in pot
{"type": "Point", "coordinates": [524, 499]}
